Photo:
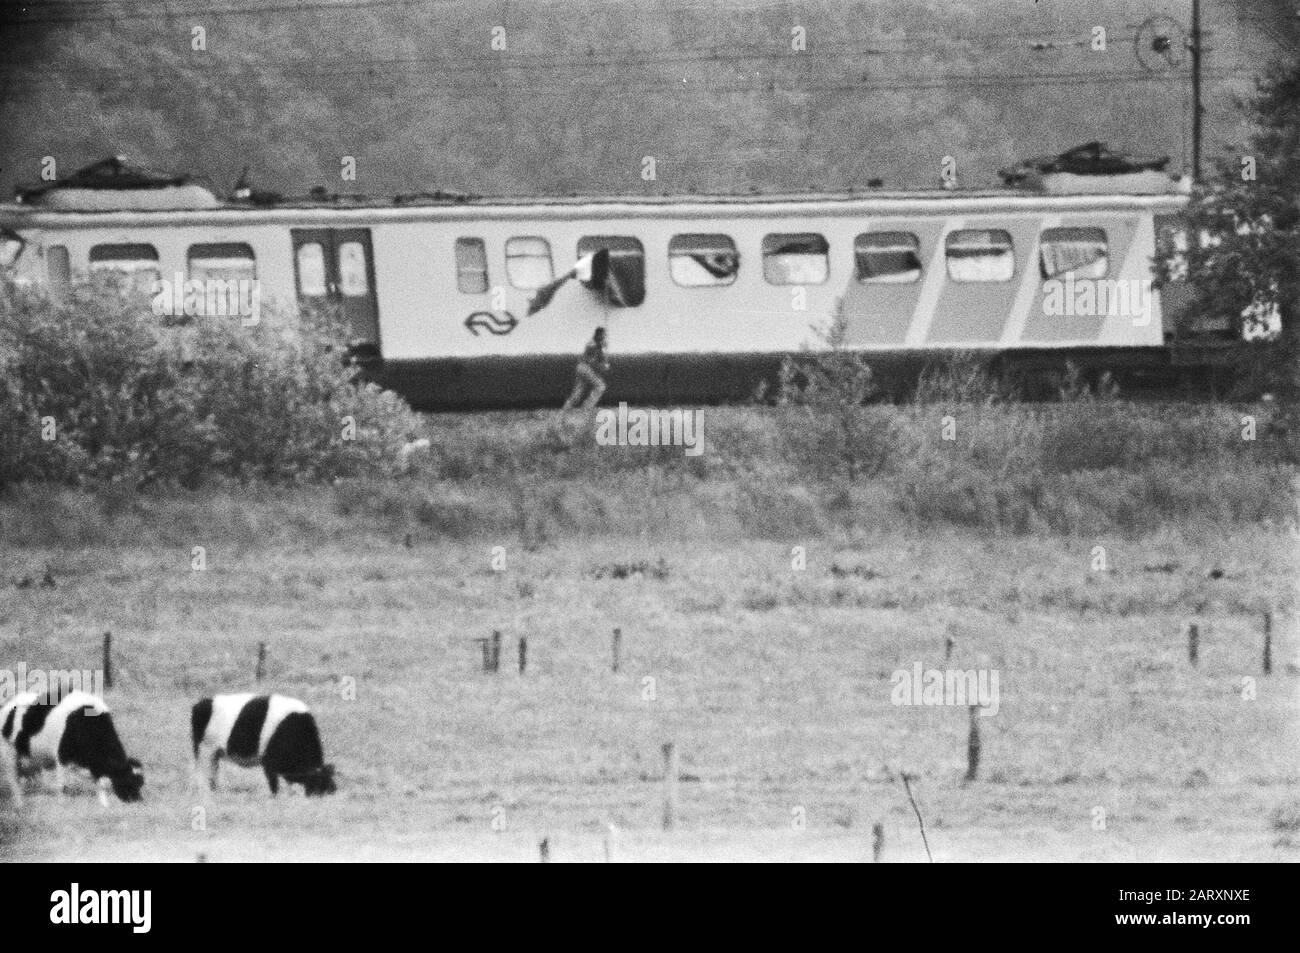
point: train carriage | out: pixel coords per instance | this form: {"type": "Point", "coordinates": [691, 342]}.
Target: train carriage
{"type": "Point", "coordinates": [703, 295]}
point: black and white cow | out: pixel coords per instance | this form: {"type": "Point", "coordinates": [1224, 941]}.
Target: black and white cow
{"type": "Point", "coordinates": [74, 732]}
{"type": "Point", "coordinates": [273, 731]}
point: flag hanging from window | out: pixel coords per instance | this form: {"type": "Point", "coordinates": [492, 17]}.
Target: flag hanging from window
{"type": "Point", "coordinates": [592, 270]}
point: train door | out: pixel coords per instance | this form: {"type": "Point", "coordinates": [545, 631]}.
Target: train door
{"type": "Point", "coordinates": [336, 267]}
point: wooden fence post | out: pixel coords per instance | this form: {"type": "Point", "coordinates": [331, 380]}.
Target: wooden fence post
{"type": "Point", "coordinates": [877, 841]}
{"type": "Point", "coordinates": [973, 745]}
{"type": "Point", "coordinates": [544, 850]}
{"type": "Point", "coordinates": [616, 649]}
{"type": "Point", "coordinates": [1193, 642]}
{"type": "Point", "coordinates": [260, 670]}
{"type": "Point", "coordinates": [108, 659]}
{"type": "Point", "coordinates": [496, 650]}
{"type": "Point", "coordinates": [1268, 642]}
{"type": "Point", "coordinates": [523, 654]}
{"type": "Point", "coordinates": [671, 773]}
{"type": "Point", "coordinates": [611, 835]}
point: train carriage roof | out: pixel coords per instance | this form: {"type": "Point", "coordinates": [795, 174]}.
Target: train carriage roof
{"type": "Point", "coordinates": [560, 208]}
{"type": "Point", "coordinates": [119, 188]}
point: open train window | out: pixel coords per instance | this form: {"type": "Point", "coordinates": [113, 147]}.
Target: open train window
{"type": "Point", "coordinates": [702, 261]}
{"type": "Point", "coordinates": [980, 254]}
{"type": "Point", "coordinates": [137, 263]}
{"type": "Point", "coordinates": [796, 259]}
{"type": "Point", "coordinates": [1078, 251]}
{"type": "Point", "coordinates": [625, 285]}
{"type": "Point", "coordinates": [471, 266]}
{"type": "Point", "coordinates": [222, 261]}
{"type": "Point", "coordinates": [528, 263]}
{"type": "Point", "coordinates": [58, 268]}
{"type": "Point", "coordinates": [887, 257]}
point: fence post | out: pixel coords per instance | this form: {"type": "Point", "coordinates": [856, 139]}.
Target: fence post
{"type": "Point", "coordinates": [877, 841]}
{"type": "Point", "coordinates": [108, 659]}
{"type": "Point", "coordinates": [611, 834]}
{"type": "Point", "coordinates": [616, 648]}
{"type": "Point", "coordinates": [523, 654]}
{"type": "Point", "coordinates": [260, 670]}
{"type": "Point", "coordinates": [496, 650]}
{"type": "Point", "coordinates": [973, 745]}
{"type": "Point", "coordinates": [671, 773]}
{"type": "Point", "coordinates": [1193, 642]}
{"type": "Point", "coordinates": [1268, 642]}
{"type": "Point", "coordinates": [544, 850]}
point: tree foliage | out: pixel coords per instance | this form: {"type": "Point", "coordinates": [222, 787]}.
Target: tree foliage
{"type": "Point", "coordinates": [1241, 254]}
{"type": "Point", "coordinates": [95, 389]}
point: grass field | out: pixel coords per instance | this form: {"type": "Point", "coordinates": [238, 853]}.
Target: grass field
{"type": "Point", "coordinates": [774, 684]}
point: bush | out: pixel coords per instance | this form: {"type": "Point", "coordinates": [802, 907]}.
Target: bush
{"type": "Point", "coordinates": [964, 454]}
{"type": "Point", "coordinates": [831, 423]}
{"type": "Point", "coordinates": [959, 378]}
{"type": "Point", "coordinates": [96, 390]}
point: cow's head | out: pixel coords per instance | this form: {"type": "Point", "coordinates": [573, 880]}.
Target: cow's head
{"type": "Point", "coordinates": [318, 782]}
{"type": "Point", "coordinates": [128, 781]}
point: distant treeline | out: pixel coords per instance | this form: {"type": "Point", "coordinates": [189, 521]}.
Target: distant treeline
{"type": "Point", "coordinates": [571, 95]}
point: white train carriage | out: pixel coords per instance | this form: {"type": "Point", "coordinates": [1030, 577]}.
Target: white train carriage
{"type": "Point", "coordinates": [705, 295]}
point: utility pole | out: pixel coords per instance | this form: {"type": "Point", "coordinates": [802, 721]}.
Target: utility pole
{"type": "Point", "coordinates": [1196, 90]}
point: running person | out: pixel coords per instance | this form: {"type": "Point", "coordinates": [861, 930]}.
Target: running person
{"type": "Point", "coordinates": [589, 376]}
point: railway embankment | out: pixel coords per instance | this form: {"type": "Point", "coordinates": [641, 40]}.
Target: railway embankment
{"type": "Point", "coordinates": [113, 427]}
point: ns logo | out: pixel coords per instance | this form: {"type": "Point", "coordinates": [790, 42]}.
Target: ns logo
{"type": "Point", "coordinates": [492, 322]}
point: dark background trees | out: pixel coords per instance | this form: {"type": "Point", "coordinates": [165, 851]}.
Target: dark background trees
{"type": "Point", "coordinates": [713, 89]}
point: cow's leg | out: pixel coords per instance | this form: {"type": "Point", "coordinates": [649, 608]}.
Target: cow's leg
{"type": "Point", "coordinates": [17, 782]}
{"type": "Point", "coordinates": [60, 779]}
{"type": "Point", "coordinates": [104, 785]}
{"type": "Point", "coordinates": [213, 762]}
{"type": "Point", "coordinates": [272, 780]}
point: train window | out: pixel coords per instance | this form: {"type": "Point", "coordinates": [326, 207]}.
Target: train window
{"type": "Point", "coordinates": [138, 263]}
{"type": "Point", "coordinates": [471, 266]}
{"type": "Point", "coordinates": [311, 270]}
{"type": "Point", "coordinates": [223, 261]}
{"type": "Point", "coordinates": [796, 259]}
{"type": "Point", "coordinates": [528, 263]}
{"type": "Point", "coordinates": [58, 268]}
{"type": "Point", "coordinates": [980, 254]}
{"type": "Point", "coordinates": [352, 270]}
{"type": "Point", "coordinates": [887, 257]}
{"type": "Point", "coordinates": [1077, 251]}
{"type": "Point", "coordinates": [702, 261]}
{"type": "Point", "coordinates": [625, 286]}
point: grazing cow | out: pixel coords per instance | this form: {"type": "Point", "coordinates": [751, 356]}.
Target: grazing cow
{"type": "Point", "coordinates": [276, 732]}
{"type": "Point", "coordinates": [75, 731]}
